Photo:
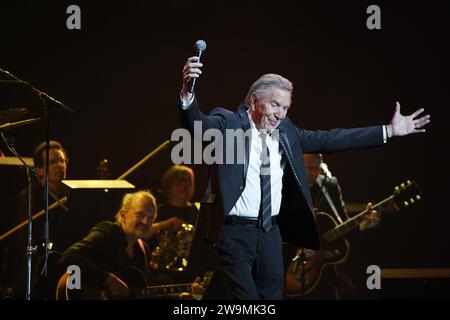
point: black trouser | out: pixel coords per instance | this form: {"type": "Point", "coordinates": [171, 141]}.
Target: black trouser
{"type": "Point", "coordinates": [250, 260]}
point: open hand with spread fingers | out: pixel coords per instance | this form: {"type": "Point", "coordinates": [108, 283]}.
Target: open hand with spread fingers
{"type": "Point", "coordinates": [403, 125]}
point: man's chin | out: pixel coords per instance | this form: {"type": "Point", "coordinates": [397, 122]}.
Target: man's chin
{"type": "Point", "coordinates": [59, 177]}
{"type": "Point", "coordinates": [272, 126]}
{"type": "Point", "coordinates": [269, 129]}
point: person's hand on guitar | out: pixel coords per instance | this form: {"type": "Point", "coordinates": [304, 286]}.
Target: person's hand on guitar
{"type": "Point", "coordinates": [371, 219]}
{"type": "Point", "coordinates": [116, 287]}
{"type": "Point", "coordinates": [197, 291]}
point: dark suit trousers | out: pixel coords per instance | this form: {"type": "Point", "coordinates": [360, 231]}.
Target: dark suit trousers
{"type": "Point", "coordinates": [250, 262]}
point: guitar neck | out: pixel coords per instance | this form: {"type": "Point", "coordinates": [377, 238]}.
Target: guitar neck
{"type": "Point", "coordinates": [353, 223]}
{"type": "Point", "coordinates": [165, 290]}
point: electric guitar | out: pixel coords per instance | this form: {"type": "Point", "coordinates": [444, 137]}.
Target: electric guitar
{"type": "Point", "coordinates": [304, 272]}
{"type": "Point", "coordinates": [136, 282]}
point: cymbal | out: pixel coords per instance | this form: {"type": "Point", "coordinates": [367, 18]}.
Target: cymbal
{"type": "Point", "coordinates": [12, 125]}
{"type": "Point", "coordinates": [11, 115]}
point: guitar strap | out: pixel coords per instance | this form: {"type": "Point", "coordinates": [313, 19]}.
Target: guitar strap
{"type": "Point", "coordinates": [142, 246]}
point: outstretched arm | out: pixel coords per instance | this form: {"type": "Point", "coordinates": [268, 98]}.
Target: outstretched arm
{"type": "Point", "coordinates": [403, 125]}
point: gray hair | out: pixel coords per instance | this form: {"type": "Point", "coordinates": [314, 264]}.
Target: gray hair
{"type": "Point", "coordinates": [260, 86]}
{"type": "Point", "coordinates": [131, 198]}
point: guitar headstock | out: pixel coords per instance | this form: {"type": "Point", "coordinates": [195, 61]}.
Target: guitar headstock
{"type": "Point", "coordinates": [406, 194]}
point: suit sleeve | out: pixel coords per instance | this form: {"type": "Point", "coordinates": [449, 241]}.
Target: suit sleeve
{"type": "Point", "coordinates": [192, 113]}
{"type": "Point", "coordinates": [340, 139]}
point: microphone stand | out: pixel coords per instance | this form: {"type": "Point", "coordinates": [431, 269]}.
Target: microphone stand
{"type": "Point", "coordinates": [47, 102]}
{"type": "Point", "coordinates": [30, 249]}
{"type": "Point", "coordinates": [300, 257]}
{"type": "Point", "coordinates": [302, 272]}
{"type": "Point", "coordinates": [326, 195]}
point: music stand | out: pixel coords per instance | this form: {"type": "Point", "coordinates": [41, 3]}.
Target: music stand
{"type": "Point", "coordinates": [14, 161]}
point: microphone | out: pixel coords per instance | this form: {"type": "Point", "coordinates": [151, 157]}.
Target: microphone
{"type": "Point", "coordinates": [325, 171]}
{"type": "Point", "coordinates": [200, 46]}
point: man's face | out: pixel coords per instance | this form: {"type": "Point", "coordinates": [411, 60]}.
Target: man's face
{"type": "Point", "coordinates": [137, 220]}
{"type": "Point", "coordinates": [312, 166]}
{"type": "Point", "coordinates": [57, 166]}
{"type": "Point", "coordinates": [270, 109]}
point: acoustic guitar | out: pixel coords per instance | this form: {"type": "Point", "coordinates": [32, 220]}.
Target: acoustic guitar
{"type": "Point", "coordinates": [136, 282]}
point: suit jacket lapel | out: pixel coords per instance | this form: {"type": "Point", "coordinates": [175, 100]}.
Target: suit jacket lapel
{"type": "Point", "coordinates": [285, 146]}
{"type": "Point", "coordinates": [245, 125]}
{"type": "Point", "coordinates": [284, 142]}
{"type": "Point", "coordinates": [243, 117]}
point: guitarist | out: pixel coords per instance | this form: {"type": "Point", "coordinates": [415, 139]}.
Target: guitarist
{"type": "Point", "coordinates": [113, 246]}
{"type": "Point", "coordinates": [327, 197]}
{"type": "Point", "coordinates": [112, 249]}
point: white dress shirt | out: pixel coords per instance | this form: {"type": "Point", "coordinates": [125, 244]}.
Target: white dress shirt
{"type": "Point", "coordinates": [248, 203]}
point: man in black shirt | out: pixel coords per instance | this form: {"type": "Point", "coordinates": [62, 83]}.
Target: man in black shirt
{"type": "Point", "coordinates": [110, 247]}
{"type": "Point", "coordinates": [113, 257]}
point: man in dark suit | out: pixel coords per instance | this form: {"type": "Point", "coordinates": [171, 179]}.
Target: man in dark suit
{"type": "Point", "coordinates": [248, 202]}
{"type": "Point", "coordinates": [340, 281]}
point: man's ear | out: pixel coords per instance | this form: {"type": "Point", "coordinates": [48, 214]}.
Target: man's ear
{"type": "Point", "coordinates": [253, 98]}
{"type": "Point", "coordinates": [122, 215]}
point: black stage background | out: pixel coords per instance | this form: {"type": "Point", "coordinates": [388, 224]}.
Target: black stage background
{"type": "Point", "coordinates": [122, 74]}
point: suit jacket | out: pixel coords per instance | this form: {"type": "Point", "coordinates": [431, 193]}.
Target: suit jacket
{"type": "Point", "coordinates": [227, 181]}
